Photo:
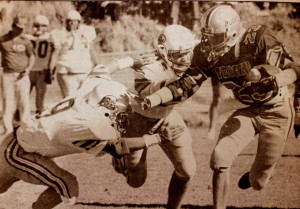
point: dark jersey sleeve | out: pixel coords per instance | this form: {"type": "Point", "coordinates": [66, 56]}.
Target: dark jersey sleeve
{"type": "Point", "coordinates": [191, 80]}
{"type": "Point", "coordinates": [267, 41]}
{"type": "Point", "coordinates": [275, 53]}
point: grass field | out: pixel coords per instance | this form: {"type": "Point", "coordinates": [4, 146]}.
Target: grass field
{"type": "Point", "coordinates": [102, 188]}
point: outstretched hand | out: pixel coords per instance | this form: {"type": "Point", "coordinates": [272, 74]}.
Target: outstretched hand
{"type": "Point", "coordinates": [144, 58]}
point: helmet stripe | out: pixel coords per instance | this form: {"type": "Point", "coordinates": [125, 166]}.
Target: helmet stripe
{"type": "Point", "coordinates": [209, 15]}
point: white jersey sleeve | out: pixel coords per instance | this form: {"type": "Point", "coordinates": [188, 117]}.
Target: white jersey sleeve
{"type": "Point", "coordinates": [150, 79]}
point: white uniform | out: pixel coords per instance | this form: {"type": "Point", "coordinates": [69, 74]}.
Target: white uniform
{"type": "Point", "coordinates": [74, 58]}
{"type": "Point", "coordinates": [74, 49]}
{"type": "Point", "coordinates": [149, 79]}
{"type": "Point", "coordinates": [74, 125]}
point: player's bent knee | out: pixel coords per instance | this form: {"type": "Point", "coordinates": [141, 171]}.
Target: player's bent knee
{"type": "Point", "coordinates": [185, 177]}
{"type": "Point", "coordinates": [220, 161]}
{"type": "Point", "coordinates": [186, 172]}
{"type": "Point", "coordinates": [72, 186]}
{"type": "Point", "coordinates": [136, 177]}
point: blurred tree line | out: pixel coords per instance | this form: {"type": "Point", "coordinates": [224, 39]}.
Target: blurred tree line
{"type": "Point", "coordinates": [186, 13]}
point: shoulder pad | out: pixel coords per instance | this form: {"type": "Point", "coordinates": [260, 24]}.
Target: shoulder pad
{"type": "Point", "coordinates": [45, 36]}
{"type": "Point", "coordinates": [253, 34]}
{"type": "Point", "coordinates": [29, 36]}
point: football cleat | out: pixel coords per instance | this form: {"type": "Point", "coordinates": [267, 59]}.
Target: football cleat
{"type": "Point", "coordinates": [244, 182]}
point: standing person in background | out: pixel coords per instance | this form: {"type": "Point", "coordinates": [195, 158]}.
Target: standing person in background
{"type": "Point", "coordinates": [40, 73]}
{"type": "Point", "coordinates": [17, 60]}
{"type": "Point", "coordinates": [72, 59]}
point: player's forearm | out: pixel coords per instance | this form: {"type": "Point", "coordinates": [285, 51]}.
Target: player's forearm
{"type": "Point", "coordinates": [53, 60]}
{"type": "Point", "coordinates": [137, 143]}
{"type": "Point", "coordinates": [146, 87]}
{"type": "Point", "coordinates": [177, 91]}
{"type": "Point", "coordinates": [31, 62]}
{"type": "Point", "coordinates": [124, 146]}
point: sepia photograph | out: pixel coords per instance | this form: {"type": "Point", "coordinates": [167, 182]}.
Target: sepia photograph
{"type": "Point", "coordinates": [149, 104]}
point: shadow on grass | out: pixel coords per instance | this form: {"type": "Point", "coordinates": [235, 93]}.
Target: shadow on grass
{"type": "Point", "coordinates": [188, 206]}
{"type": "Point", "coordinates": [284, 155]}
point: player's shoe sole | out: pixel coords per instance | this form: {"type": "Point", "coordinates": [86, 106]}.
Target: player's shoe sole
{"type": "Point", "coordinates": [244, 182]}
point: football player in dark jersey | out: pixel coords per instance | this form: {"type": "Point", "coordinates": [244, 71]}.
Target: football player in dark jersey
{"type": "Point", "coordinates": [256, 67]}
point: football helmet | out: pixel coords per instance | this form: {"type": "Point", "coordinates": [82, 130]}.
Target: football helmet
{"type": "Point", "coordinates": [220, 28]}
{"type": "Point", "coordinates": [72, 21]}
{"type": "Point", "coordinates": [175, 47]}
{"type": "Point", "coordinates": [40, 25]}
{"type": "Point", "coordinates": [74, 15]}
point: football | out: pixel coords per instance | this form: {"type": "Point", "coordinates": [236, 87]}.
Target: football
{"type": "Point", "coordinates": [253, 75]}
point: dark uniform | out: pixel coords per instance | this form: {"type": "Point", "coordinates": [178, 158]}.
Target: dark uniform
{"type": "Point", "coordinates": [269, 114]}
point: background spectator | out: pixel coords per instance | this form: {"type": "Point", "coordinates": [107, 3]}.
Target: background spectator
{"type": "Point", "coordinates": [17, 60]}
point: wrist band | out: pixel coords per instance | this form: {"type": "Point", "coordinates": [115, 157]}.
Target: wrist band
{"type": "Point", "coordinates": [152, 139]}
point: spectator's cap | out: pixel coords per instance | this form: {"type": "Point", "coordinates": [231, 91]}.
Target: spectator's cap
{"type": "Point", "coordinates": [73, 15]}
{"type": "Point", "coordinates": [41, 20]}
{"type": "Point", "coordinates": [20, 21]}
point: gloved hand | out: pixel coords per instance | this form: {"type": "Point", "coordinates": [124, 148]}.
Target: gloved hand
{"type": "Point", "coordinates": [263, 86]}
{"type": "Point", "coordinates": [143, 59]}
{"type": "Point", "coordinates": [143, 102]}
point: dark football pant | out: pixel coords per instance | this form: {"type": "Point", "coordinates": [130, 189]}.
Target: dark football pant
{"type": "Point", "coordinates": [16, 164]}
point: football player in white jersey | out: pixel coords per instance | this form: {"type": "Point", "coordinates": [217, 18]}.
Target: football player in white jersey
{"type": "Point", "coordinates": [40, 73]}
{"type": "Point", "coordinates": [72, 57]}
{"type": "Point", "coordinates": [175, 50]}
{"type": "Point", "coordinates": [90, 121]}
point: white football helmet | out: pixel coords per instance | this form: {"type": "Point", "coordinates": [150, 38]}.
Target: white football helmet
{"type": "Point", "coordinates": [72, 21]}
{"type": "Point", "coordinates": [74, 15]}
{"type": "Point", "coordinates": [175, 46]}
{"type": "Point", "coordinates": [40, 25]}
{"type": "Point", "coordinates": [220, 29]}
